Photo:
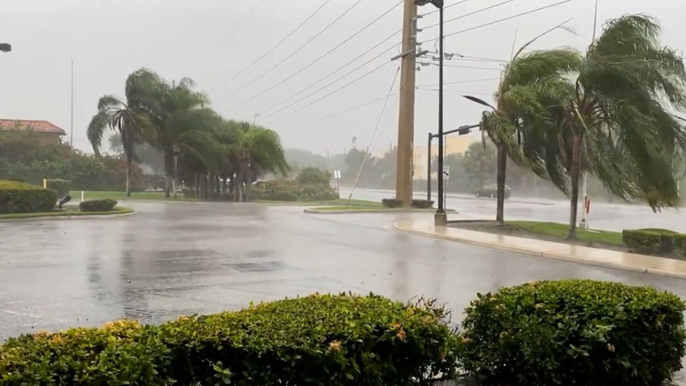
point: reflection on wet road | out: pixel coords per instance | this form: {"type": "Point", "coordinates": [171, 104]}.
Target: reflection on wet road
{"type": "Point", "coordinates": [175, 259]}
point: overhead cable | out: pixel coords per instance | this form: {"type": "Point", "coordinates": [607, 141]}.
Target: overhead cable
{"type": "Point", "coordinates": [331, 73]}
{"type": "Point", "coordinates": [318, 59]}
{"type": "Point", "coordinates": [501, 20]}
{"type": "Point", "coordinates": [332, 92]}
{"type": "Point", "coordinates": [292, 54]}
{"type": "Point", "coordinates": [269, 51]}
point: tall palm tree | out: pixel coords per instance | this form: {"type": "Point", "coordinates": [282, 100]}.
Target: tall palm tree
{"type": "Point", "coordinates": [120, 117]}
{"type": "Point", "coordinates": [520, 102]}
{"type": "Point", "coordinates": [615, 117]}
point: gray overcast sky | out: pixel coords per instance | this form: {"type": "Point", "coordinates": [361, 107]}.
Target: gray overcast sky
{"type": "Point", "coordinates": [210, 40]}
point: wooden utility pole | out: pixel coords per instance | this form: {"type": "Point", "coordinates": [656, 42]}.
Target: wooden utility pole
{"type": "Point", "coordinates": [403, 182]}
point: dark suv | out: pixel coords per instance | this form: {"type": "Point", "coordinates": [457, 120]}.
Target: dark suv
{"type": "Point", "coordinates": [492, 191]}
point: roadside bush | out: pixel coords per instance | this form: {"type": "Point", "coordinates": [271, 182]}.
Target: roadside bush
{"type": "Point", "coordinates": [120, 353]}
{"type": "Point", "coordinates": [317, 340]}
{"type": "Point", "coordinates": [574, 332]}
{"type": "Point", "coordinates": [314, 176]}
{"type": "Point", "coordinates": [332, 340]}
{"type": "Point", "coordinates": [19, 197]}
{"type": "Point", "coordinates": [290, 191]}
{"type": "Point", "coordinates": [105, 205]}
{"type": "Point", "coordinates": [61, 187]}
{"type": "Point", "coordinates": [395, 203]}
{"type": "Point", "coordinates": [650, 240]}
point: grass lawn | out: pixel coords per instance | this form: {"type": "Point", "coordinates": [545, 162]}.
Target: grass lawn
{"type": "Point", "coordinates": [120, 196]}
{"type": "Point", "coordinates": [561, 230]}
{"type": "Point", "coordinates": [329, 203]}
{"type": "Point", "coordinates": [68, 211]}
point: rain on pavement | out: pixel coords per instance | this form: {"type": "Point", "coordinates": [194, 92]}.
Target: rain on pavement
{"type": "Point", "coordinates": [177, 259]}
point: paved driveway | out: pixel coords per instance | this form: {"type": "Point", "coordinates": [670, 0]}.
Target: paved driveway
{"type": "Point", "coordinates": [174, 259]}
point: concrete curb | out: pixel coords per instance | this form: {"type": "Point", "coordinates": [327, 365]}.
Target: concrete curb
{"type": "Point", "coordinates": [81, 217]}
{"type": "Point", "coordinates": [541, 254]}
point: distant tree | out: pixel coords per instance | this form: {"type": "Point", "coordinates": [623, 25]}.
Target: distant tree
{"type": "Point", "coordinates": [144, 153]}
{"type": "Point", "coordinates": [479, 164]}
{"type": "Point", "coordinates": [313, 176]}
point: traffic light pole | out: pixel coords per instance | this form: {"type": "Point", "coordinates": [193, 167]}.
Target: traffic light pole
{"type": "Point", "coordinates": [440, 219]}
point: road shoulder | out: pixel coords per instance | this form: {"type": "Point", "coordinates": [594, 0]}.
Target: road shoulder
{"type": "Point", "coordinates": [547, 249]}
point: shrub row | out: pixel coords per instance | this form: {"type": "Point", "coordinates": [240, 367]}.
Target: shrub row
{"type": "Point", "coordinates": [318, 340]}
{"type": "Point", "coordinates": [395, 203]}
{"type": "Point", "coordinates": [654, 241]}
{"type": "Point", "coordinates": [291, 191]}
{"type": "Point", "coordinates": [574, 332]}
{"type": "Point", "coordinates": [105, 205]}
{"type": "Point", "coordinates": [19, 197]}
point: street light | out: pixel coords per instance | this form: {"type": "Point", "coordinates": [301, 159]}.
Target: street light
{"type": "Point", "coordinates": [5, 47]}
{"type": "Point", "coordinates": [177, 151]}
{"type": "Point", "coordinates": [440, 219]}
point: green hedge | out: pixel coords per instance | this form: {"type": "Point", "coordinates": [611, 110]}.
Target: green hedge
{"type": "Point", "coordinates": [574, 332]}
{"type": "Point", "coordinates": [291, 191]}
{"type": "Point", "coordinates": [327, 340]}
{"type": "Point", "coordinates": [19, 197]}
{"type": "Point", "coordinates": [61, 187]}
{"type": "Point", "coordinates": [395, 203]}
{"type": "Point", "coordinates": [105, 205]}
{"type": "Point", "coordinates": [654, 241]}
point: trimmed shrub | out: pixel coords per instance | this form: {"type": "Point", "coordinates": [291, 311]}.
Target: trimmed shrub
{"type": "Point", "coordinates": [314, 176]}
{"type": "Point", "coordinates": [19, 197]}
{"type": "Point", "coordinates": [332, 340]}
{"type": "Point", "coordinates": [395, 203]}
{"type": "Point", "coordinates": [680, 243]}
{"type": "Point", "coordinates": [61, 187]}
{"type": "Point", "coordinates": [290, 191]}
{"type": "Point", "coordinates": [317, 340]}
{"type": "Point", "coordinates": [649, 240]}
{"type": "Point", "coordinates": [105, 205]}
{"type": "Point", "coordinates": [574, 332]}
{"type": "Point", "coordinates": [120, 353]}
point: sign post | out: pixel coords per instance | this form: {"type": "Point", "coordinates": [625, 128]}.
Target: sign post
{"type": "Point", "coordinates": [337, 176]}
{"type": "Point", "coordinates": [446, 177]}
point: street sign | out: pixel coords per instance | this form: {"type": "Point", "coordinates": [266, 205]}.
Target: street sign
{"type": "Point", "coordinates": [446, 171]}
{"type": "Point", "coordinates": [337, 174]}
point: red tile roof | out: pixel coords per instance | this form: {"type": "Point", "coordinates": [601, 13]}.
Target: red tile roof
{"type": "Point", "coordinates": [23, 124]}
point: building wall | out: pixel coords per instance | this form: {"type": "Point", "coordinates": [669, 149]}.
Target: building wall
{"type": "Point", "coordinates": [453, 145]}
{"type": "Point", "coordinates": [49, 138]}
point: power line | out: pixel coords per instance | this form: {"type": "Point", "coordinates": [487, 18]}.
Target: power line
{"type": "Point", "coordinates": [292, 53]}
{"type": "Point", "coordinates": [373, 137]}
{"type": "Point", "coordinates": [453, 91]}
{"type": "Point", "coordinates": [318, 59]}
{"type": "Point", "coordinates": [332, 73]}
{"type": "Point", "coordinates": [459, 66]}
{"type": "Point", "coordinates": [470, 14]}
{"type": "Point", "coordinates": [332, 92]}
{"type": "Point", "coordinates": [274, 47]}
{"type": "Point", "coordinates": [461, 82]}
{"type": "Point", "coordinates": [445, 7]}
{"type": "Point", "coordinates": [348, 110]}
{"type": "Point", "coordinates": [501, 20]}
{"type": "Point", "coordinates": [331, 83]}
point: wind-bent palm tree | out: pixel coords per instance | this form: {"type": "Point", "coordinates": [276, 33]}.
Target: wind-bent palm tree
{"type": "Point", "coordinates": [119, 116]}
{"type": "Point", "coordinates": [256, 150]}
{"type": "Point", "coordinates": [613, 118]}
{"type": "Point", "coordinates": [519, 103]}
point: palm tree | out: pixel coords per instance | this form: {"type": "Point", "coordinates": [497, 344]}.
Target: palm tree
{"type": "Point", "coordinates": [519, 101]}
{"type": "Point", "coordinates": [127, 122]}
{"type": "Point", "coordinates": [611, 116]}
{"type": "Point", "coordinates": [254, 150]}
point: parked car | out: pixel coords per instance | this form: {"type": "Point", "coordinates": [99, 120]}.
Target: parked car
{"type": "Point", "coordinates": [492, 191]}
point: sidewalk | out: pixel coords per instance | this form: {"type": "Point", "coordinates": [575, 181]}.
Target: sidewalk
{"type": "Point", "coordinates": [551, 250]}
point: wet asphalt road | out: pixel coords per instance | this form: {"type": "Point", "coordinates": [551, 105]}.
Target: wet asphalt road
{"type": "Point", "coordinates": [615, 217]}
{"type": "Point", "coordinates": [177, 259]}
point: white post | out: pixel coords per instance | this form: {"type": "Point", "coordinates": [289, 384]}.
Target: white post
{"type": "Point", "coordinates": [584, 221]}
{"type": "Point", "coordinates": [83, 196]}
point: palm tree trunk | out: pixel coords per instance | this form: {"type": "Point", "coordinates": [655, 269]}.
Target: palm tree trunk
{"type": "Point", "coordinates": [577, 141]}
{"type": "Point", "coordinates": [169, 172]}
{"type": "Point", "coordinates": [128, 177]}
{"type": "Point", "coordinates": [500, 181]}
